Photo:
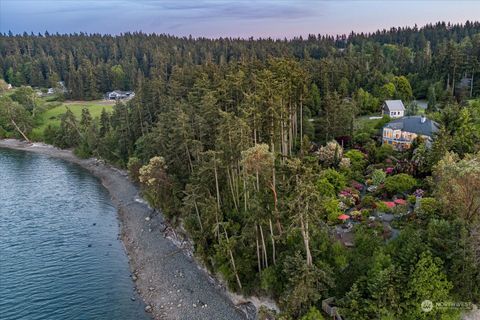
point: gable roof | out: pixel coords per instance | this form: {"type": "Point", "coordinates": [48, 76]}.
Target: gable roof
{"type": "Point", "coordinates": [395, 105]}
{"type": "Point", "coordinates": [414, 124]}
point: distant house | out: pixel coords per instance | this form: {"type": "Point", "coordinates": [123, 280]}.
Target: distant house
{"type": "Point", "coordinates": [119, 95]}
{"type": "Point", "coordinates": [393, 108]}
{"type": "Point", "coordinates": [400, 133]}
{"type": "Point", "coordinates": [50, 91]}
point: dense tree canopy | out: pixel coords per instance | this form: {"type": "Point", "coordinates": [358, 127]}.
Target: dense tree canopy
{"type": "Point", "coordinates": [256, 149]}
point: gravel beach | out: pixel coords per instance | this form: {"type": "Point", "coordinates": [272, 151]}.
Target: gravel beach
{"type": "Point", "coordinates": [171, 283]}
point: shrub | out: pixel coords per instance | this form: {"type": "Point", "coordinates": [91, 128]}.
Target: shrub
{"type": "Point", "coordinates": [368, 201]}
{"type": "Point", "coordinates": [411, 199]}
{"type": "Point", "coordinates": [366, 212]}
{"type": "Point", "coordinates": [3, 133]}
{"type": "Point", "coordinates": [82, 151]}
{"type": "Point", "coordinates": [384, 152]}
{"type": "Point", "coordinates": [331, 154]}
{"type": "Point", "coordinates": [357, 159]}
{"type": "Point", "coordinates": [134, 164]}
{"type": "Point", "coordinates": [382, 207]}
{"type": "Point", "coordinates": [378, 177]}
{"type": "Point", "coordinates": [399, 209]}
{"type": "Point", "coordinates": [356, 214]}
{"type": "Point", "coordinates": [399, 183]}
{"type": "Point", "coordinates": [428, 208]}
{"type": "Point", "coordinates": [362, 138]}
{"type": "Point", "coordinates": [50, 134]}
{"type": "Point", "coordinates": [335, 178]}
{"type": "Point", "coordinates": [332, 209]}
{"type": "Point", "coordinates": [325, 187]}
{"type": "Point", "coordinates": [313, 314]}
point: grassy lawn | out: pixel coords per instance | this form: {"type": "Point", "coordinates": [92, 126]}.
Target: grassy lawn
{"type": "Point", "coordinates": [54, 112]}
{"type": "Point", "coordinates": [364, 123]}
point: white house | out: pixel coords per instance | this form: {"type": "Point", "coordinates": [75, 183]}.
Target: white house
{"type": "Point", "coordinates": [393, 108]}
{"type": "Point", "coordinates": [118, 95]}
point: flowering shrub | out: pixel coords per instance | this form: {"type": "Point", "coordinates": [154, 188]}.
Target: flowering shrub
{"type": "Point", "coordinates": [331, 154]}
{"type": "Point", "coordinates": [389, 204]}
{"type": "Point", "coordinates": [344, 164]}
{"type": "Point", "coordinates": [419, 193]}
{"type": "Point", "coordinates": [357, 185]}
{"type": "Point", "coordinates": [349, 196]}
{"type": "Point", "coordinates": [356, 214]}
{"type": "Point", "coordinates": [389, 170]}
{"type": "Point", "coordinates": [382, 207]}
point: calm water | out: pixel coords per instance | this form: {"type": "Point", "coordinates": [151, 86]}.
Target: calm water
{"type": "Point", "coordinates": [59, 253]}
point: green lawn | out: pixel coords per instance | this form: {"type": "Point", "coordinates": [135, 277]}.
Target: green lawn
{"type": "Point", "coordinates": [471, 101]}
{"type": "Point", "coordinates": [54, 112]}
{"type": "Point", "coordinates": [363, 123]}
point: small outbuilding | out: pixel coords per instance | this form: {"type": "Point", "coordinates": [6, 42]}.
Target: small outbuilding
{"type": "Point", "coordinates": [393, 108]}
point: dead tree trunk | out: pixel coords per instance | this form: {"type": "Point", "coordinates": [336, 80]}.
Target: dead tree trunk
{"type": "Point", "coordinates": [19, 130]}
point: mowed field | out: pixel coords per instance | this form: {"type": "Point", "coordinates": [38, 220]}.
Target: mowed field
{"type": "Point", "coordinates": [54, 113]}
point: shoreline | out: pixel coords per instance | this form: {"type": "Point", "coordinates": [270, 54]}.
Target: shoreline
{"type": "Point", "coordinates": [169, 280]}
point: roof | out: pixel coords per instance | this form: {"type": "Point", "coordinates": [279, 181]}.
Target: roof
{"type": "Point", "coordinates": [395, 105]}
{"type": "Point", "coordinates": [414, 124]}
{"type": "Point", "coordinates": [120, 92]}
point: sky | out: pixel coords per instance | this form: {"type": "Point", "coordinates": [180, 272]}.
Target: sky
{"type": "Point", "coordinates": [223, 18]}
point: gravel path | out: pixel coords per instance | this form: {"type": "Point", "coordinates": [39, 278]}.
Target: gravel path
{"type": "Point", "coordinates": [169, 281]}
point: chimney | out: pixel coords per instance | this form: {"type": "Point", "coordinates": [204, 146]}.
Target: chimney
{"type": "Point", "coordinates": [423, 119]}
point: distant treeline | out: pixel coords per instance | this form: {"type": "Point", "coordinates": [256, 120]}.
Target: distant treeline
{"type": "Point", "coordinates": [92, 64]}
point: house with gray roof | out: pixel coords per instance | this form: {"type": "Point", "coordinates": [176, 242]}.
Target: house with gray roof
{"type": "Point", "coordinates": [400, 133]}
{"type": "Point", "coordinates": [393, 108]}
{"type": "Point", "coordinates": [119, 95]}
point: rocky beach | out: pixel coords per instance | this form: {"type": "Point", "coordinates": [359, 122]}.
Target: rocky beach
{"type": "Point", "coordinates": [166, 276]}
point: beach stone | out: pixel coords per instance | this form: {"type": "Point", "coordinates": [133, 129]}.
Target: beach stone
{"type": "Point", "coordinates": [132, 298]}
{"type": "Point", "coordinates": [148, 309]}
{"type": "Point", "coordinates": [89, 245]}
{"type": "Point", "coordinates": [134, 278]}
{"type": "Point", "coordinates": [147, 219]}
